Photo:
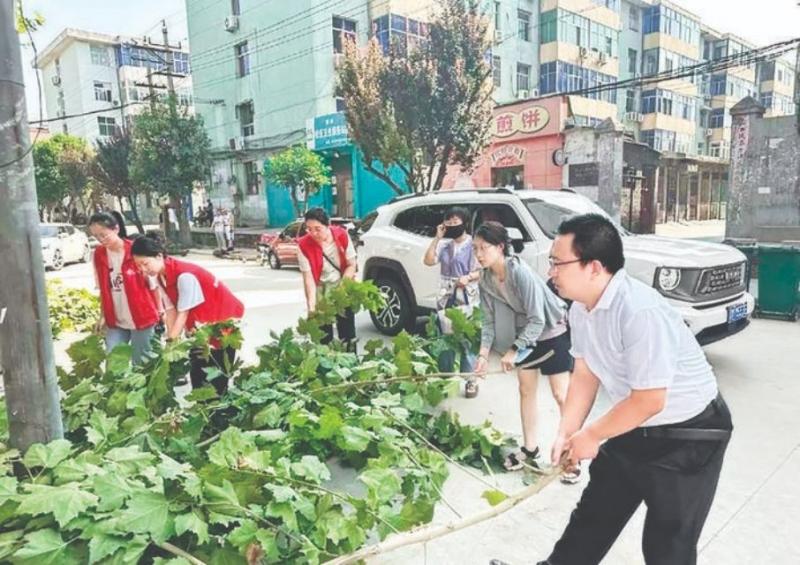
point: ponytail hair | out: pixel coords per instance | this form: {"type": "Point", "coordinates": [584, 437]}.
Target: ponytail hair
{"type": "Point", "coordinates": [110, 220]}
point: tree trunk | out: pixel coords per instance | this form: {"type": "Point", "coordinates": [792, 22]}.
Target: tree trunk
{"type": "Point", "coordinates": [26, 343]}
{"type": "Point", "coordinates": [133, 201]}
{"type": "Point", "coordinates": [295, 202]}
{"type": "Point", "coordinates": [184, 229]}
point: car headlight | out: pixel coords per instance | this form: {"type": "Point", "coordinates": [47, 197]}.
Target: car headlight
{"type": "Point", "coordinates": [668, 279]}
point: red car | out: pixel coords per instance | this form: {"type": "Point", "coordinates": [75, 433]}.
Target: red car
{"type": "Point", "coordinates": [280, 249]}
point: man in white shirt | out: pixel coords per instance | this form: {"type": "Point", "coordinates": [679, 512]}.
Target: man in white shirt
{"type": "Point", "coordinates": [663, 440]}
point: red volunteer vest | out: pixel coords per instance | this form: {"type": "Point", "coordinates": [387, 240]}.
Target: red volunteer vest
{"type": "Point", "coordinates": [313, 252]}
{"type": "Point", "coordinates": [137, 290]}
{"type": "Point", "coordinates": [219, 305]}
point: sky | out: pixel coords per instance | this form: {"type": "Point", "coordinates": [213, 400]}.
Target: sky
{"type": "Point", "coordinates": [762, 22]}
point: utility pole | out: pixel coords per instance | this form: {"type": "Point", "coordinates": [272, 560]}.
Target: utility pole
{"type": "Point", "coordinates": [170, 60]}
{"type": "Point", "coordinates": [797, 86]}
{"type": "Point", "coordinates": [26, 343]}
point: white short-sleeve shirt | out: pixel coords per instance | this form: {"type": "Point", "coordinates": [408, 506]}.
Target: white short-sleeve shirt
{"type": "Point", "coordinates": [634, 340]}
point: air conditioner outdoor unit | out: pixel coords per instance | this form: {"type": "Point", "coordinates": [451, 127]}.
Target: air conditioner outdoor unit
{"type": "Point", "coordinates": [236, 143]}
{"type": "Point", "coordinates": [534, 93]}
{"type": "Point", "coordinates": [709, 132]}
{"type": "Point", "coordinates": [582, 52]}
{"type": "Point", "coordinates": [523, 94]}
{"type": "Point", "coordinates": [633, 117]}
{"type": "Point", "coordinates": [56, 80]}
{"type": "Point", "coordinates": [231, 23]}
{"type": "Point", "coordinates": [603, 58]}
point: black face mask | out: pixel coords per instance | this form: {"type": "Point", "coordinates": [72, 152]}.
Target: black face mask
{"type": "Point", "coordinates": [454, 232]}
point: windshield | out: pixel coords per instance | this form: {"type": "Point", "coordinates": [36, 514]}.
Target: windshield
{"type": "Point", "coordinates": [549, 215]}
{"type": "Point", "coordinates": [48, 231]}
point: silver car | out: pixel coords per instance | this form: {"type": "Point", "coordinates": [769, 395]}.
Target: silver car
{"type": "Point", "coordinates": [62, 244]}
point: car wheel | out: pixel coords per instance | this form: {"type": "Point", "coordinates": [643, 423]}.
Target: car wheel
{"type": "Point", "coordinates": [87, 254]}
{"type": "Point", "coordinates": [274, 262]}
{"type": "Point", "coordinates": [398, 314]}
{"type": "Point", "coordinates": [58, 260]}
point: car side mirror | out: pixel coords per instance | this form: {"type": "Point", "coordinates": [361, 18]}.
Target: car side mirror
{"type": "Point", "coordinates": [517, 240]}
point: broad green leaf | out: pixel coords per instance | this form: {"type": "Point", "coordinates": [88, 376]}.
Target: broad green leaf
{"type": "Point", "coordinates": [191, 522]}
{"type": "Point", "coordinates": [113, 489]}
{"type": "Point", "coordinates": [8, 488]}
{"type": "Point", "coordinates": [171, 469]}
{"type": "Point", "coordinates": [269, 416]}
{"type": "Point", "coordinates": [281, 493]}
{"type": "Point", "coordinates": [222, 499]}
{"type": "Point", "coordinates": [47, 456]}
{"type": "Point", "coordinates": [202, 394]}
{"type": "Point", "coordinates": [130, 458]}
{"type": "Point", "coordinates": [283, 511]}
{"type": "Point", "coordinates": [353, 439]}
{"type": "Point", "coordinates": [100, 427]}
{"type": "Point", "coordinates": [231, 444]}
{"type": "Point", "coordinates": [119, 360]}
{"type": "Point", "coordinates": [148, 512]}
{"type": "Point", "coordinates": [9, 542]}
{"type": "Point", "coordinates": [103, 545]}
{"type": "Point", "coordinates": [64, 502]}
{"type": "Point", "coordinates": [243, 535]}
{"type": "Point", "coordinates": [131, 553]}
{"type": "Point", "coordinates": [494, 497]}
{"type": "Point", "coordinates": [45, 547]}
{"type": "Point", "coordinates": [310, 467]}
{"type": "Point", "coordinates": [384, 483]}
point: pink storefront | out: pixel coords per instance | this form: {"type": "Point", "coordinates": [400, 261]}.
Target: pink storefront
{"type": "Point", "coordinates": [526, 149]}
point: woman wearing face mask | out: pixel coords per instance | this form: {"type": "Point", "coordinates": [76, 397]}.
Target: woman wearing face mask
{"type": "Point", "coordinates": [459, 275]}
{"type": "Point", "coordinates": [192, 296]}
{"type": "Point", "coordinates": [527, 324]}
{"type": "Point", "coordinates": [127, 298]}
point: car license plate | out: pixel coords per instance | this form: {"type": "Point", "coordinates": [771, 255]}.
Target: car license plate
{"type": "Point", "coordinates": [737, 312]}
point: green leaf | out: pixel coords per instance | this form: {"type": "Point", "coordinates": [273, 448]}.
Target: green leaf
{"type": "Point", "coordinates": [130, 458]}
{"type": "Point", "coordinates": [223, 499]}
{"type": "Point", "coordinates": [285, 512]}
{"type": "Point", "coordinates": [47, 456]}
{"type": "Point", "coordinates": [45, 547]}
{"type": "Point", "coordinates": [384, 484]}
{"type": "Point", "coordinates": [353, 439]}
{"type": "Point", "coordinates": [191, 522]}
{"type": "Point", "coordinates": [269, 416]}
{"type": "Point", "coordinates": [103, 545]}
{"type": "Point", "coordinates": [494, 497]}
{"type": "Point", "coordinates": [113, 489]}
{"type": "Point", "coordinates": [202, 394]}
{"type": "Point", "coordinates": [148, 512]}
{"type": "Point", "coordinates": [231, 444]}
{"type": "Point", "coordinates": [171, 469]}
{"type": "Point", "coordinates": [131, 553]}
{"type": "Point", "coordinates": [8, 488]}
{"type": "Point", "coordinates": [310, 467]}
{"type": "Point", "coordinates": [119, 360]}
{"type": "Point", "coordinates": [243, 535]}
{"type": "Point", "coordinates": [9, 542]}
{"type": "Point", "coordinates": [100, 427]}
{"type": "Point", "coordinates": [64, 502]}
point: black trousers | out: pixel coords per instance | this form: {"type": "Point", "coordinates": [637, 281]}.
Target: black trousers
{"type": "Point", "coordinates": [345, 327]}
{"type": "Point", "coordinates": [676, 479]}
{"type": "Point", "coordinates": [198, 366]}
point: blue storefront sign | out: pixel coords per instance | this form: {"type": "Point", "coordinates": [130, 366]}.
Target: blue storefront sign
{"type": "Point", "coordinates": [327, 132]}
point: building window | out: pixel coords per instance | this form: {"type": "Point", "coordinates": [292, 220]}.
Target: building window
{"type": "Point", "coordinates": [524, 25]}
{"type": "Point", "coordinates": [523, 76]}
{"type": "Point", "coordinates": [340, 105]}
{"type": "Point", "coordinates": [716, 118]}
{"type": "Point", "coordinates": [343, 30]}
{"type": "Point", "coordinates": [100, 55]}
{"type": "Point", "coordinates": [633, 18]}
{"type": "Point", "coordinates": [235, 9]}
{"type": "Point", "coordinates": [633, 63]}
{"type": "Point", "coordinates": [399, 32]}
{"type": "Point", "coordinates": [251, 177]}
{"type": "Point", "coordinates": [242, 59]}
{"type": "Point", "coordinates": [497, 17]}
{"type": "Point", "coordinates": [630, 100]}
{"type": "Point", "coordinates": [246, 117]}
{"type": "Point", "coordinates": [106, 125]}
{"type": "Point", "coordinates": [497, 71]}
{"type": "Point", "coordinates": [559, 76]}
{"type": "Point", "coordinates": [102, 91]}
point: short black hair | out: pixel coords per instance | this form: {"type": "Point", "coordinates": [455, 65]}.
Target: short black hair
{"type": "Point", "coordinates": [596, 238]}
{"type": "Point", "coordinates": [110, 220]}
{"type": "Point", "coordinates": [319, 215]}
{"type": "Point", "coordinates": [494, 233]}
{"type": "Point", "coordinates": [149, 245]}
{"type": "Point", "coordinates": [456, 212]}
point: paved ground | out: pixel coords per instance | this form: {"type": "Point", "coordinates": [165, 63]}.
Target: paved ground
{"type": "Point", "coordinates": [756, 515]}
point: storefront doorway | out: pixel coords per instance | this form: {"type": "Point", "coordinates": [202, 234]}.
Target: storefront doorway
{"type": "Point", "coordinates": [508, 176]}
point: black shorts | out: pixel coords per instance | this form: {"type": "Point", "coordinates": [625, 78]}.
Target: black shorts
{"type": "Point", "coordinates": [560, 361]}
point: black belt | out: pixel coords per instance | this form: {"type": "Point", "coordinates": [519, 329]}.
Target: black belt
{"type": "Point", "coordinates": [689, 434]}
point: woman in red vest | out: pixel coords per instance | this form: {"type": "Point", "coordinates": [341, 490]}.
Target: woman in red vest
{"type": "Point", "coordinates": [192, 296]}
{"type": "Point", "coordinates": [326, 256]}
{"type": "Point", "coordinates": [128, 298]}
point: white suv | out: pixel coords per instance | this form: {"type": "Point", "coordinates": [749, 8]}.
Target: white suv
{"type": "Point", "coordinates": [706, 282]}
{"type": "Point", "coordinates": [63, 243]}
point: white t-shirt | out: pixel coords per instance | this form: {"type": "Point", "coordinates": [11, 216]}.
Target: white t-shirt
{"type": "Point", "coordinates": [190, 293]}
{"type": "Point", "coordinates": [119, 299]}
{"type": "Point", "coordinates": [634, 340]}
{"type": "Point", "coordinates": [329, 273]}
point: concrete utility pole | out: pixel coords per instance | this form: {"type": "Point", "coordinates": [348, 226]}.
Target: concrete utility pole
{"type": "Point", "coordinates": [169, 61]}
{"type": "Point", "coordinates": [26, 343]}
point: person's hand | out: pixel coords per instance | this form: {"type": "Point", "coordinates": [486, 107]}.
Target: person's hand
{"type": "Point", "coordinates": [559, 448]}
{"type": "Point", "coordinates": [507, 361]}
{"type": "Point", "coordinates": [482, 365]}
{"type": "Point", "coordinates": [582, 445]}
{"type": "Point", "coordinates": [351, 276]}
{"type": "Point", "coordinates": [440, 229]}
{"type": "Point", "coordinates": [99, 325]}
{"type": "Point", "coordinates": [462, 282]}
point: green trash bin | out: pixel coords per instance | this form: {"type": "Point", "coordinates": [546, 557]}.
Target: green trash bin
{"type": "Point", "coordinates": [749, 247]}
{"type": "Point", "coordinates": [778, 281]}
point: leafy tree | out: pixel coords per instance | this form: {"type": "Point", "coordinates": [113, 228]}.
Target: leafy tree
{"type": "Point", "coordinates": [111, 172]}
{"type": "Point", "coordinates": [170, 154]}
{"type": "Point", "coordinates": [61, 168]}
{"type": "Point", "coordinates": [51, 188]}
{"type": "Point", "coordinates": [298, 168]}
{"type": "Point", "coordinates": [422, 108]}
